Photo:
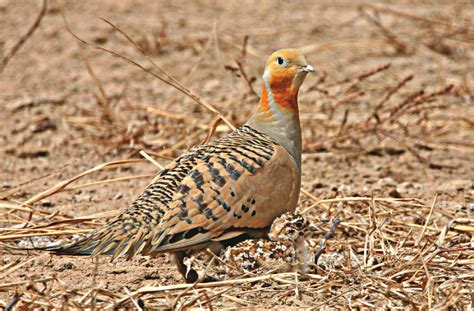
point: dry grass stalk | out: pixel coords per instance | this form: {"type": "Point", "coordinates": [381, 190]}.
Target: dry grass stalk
{"type": "Point", "coordinates": [103, 100]}
{"type": "Point", "coordinates": [400, 13]}
{"type": "Point", "coordinates": [166, 78]}
{"type": "Point", "coordinates": [9, 55]}
{"type": "Point", "coordinates": [239, 60]}
{"type": "Point", "coordinates": [400, 46]}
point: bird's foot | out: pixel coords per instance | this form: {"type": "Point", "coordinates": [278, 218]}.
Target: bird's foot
{"type": "Point", "coordinates": [192, 276]}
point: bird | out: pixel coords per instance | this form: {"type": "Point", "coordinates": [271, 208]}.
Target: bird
{"type": "Point", "coordinates": [217, 194]}
{"type": "Point", "coordinates": [286, 250]}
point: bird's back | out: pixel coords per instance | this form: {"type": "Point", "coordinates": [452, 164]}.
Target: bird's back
{"type": "Point", "coordinates": [212, 192]}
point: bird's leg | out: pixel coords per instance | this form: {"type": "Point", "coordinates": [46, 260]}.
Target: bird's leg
{"type": "Point", "coordinates": [188, 273]}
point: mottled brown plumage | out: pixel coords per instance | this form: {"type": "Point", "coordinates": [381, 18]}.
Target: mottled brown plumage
{"type": "Point", "coordinates": [220, 193]}
{"type": "Point", "coordinates": [285, 251]}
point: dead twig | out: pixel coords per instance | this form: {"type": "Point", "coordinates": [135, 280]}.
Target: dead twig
{"type": "Point", "coordinates": [323, 243]}
{"type": "Point", "coordinates": [212, 130]}
{"type": "Point", "coordinates": [168, 79]}
{"type": "Point", "coordinates": [400, 13]}
{"type": "Point", "coordinates": [362, 76]}
{"type": "Point", "coordinates": [9, 55]}
{"type": "Point", "coordinates": [103, 100]}
{"type": "Point", "coordinates": [400, 46]}
{"type": "Point", "coordinates": [239, 60]}
{"type": "Point", "coordinates": [388, 95]}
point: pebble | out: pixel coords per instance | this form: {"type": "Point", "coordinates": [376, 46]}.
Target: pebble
{"type": "Point", "coordinates": [66, 266]}
{"type": "Point", "coordinates": [46, 203]}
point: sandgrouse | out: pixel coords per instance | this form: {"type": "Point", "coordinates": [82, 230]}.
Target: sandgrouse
{"type": "Point", "coordinates": [218, 194]}
{"type": "Point", "coordinates": [285, 251]}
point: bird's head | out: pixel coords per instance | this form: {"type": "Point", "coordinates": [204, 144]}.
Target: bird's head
{"type": "Point", "coordinates": [284, 73]}
{"type": "Point", "coordinates": [290, 227]}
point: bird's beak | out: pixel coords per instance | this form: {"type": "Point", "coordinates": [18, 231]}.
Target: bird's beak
{"type": "Point", "coordinates": [307, 68]}
{"type": "Point", "coordinates": [301, 74]}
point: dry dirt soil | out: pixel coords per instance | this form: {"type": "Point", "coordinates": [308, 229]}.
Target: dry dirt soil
{"type": "Point", "coordinates": [57, 121]}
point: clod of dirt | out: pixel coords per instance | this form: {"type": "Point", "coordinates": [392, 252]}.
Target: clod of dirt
{"type": "Point", "coordinates": [153, 275]}
{"type": "Point", "coordinates": [47, 203]}
{"type": "Point", "coordinates": [65, 266]}
{"type": "Point", "coordinates": [394, 194]}
{"type": "Point", "coordinates": [29, 102]}
{"type": "Point", "coordinates": [29, 153]}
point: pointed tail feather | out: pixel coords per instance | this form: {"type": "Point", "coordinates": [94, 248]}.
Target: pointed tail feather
{"type": "Point", "coordinates": [111, 239]}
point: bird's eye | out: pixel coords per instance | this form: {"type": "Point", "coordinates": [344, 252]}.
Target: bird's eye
{"type": "Point", "coordinates": [299, 224]}
{"type": "Point", "coordinates": [281, 61]}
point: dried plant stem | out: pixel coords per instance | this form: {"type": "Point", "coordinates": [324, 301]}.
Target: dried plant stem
{"type": "Point", "coordinates": [396, 12]}
{"type": "Point", "coordinates": [323, 243]}
{"type": "Point", "coordinates": [150, 159]}
{"type": "Point", "coordinates": [170, 80]}
{"type": "Point", "coordinates": [63, 184]}
{"type": "Point", "coordinates": [361, 76]}
{"type": "Point", "coordinates": [103, 100]}
{"type": "Point", "coordinates": [9, 55]}
{"type": "Point", "coordinates": [239, 60]}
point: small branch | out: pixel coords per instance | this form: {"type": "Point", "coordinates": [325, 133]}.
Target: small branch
{"type": "Point", "coordinates": [387, 10]}
{"type": "Point", "coordinates": [323, 243]}
{"type": "Point", "coordinates": [199, 280]}
{"type": "Point", "coordinates": [428, 219]}
{"type": "Point", "coordinates": [362, 76]}
{"type": "Point", "coordinates": [239, 60]}
{"type": "Point", "coordinates": [170, 80]}
{"type": "Point", "coordinates": [212, 130]}
{"type": "Point", "coordinates": [388, 95]}
{"type": "Point", "coordinates": [400, 46]}
{"type": "Point", "coordinates": [150, 159]}
{"type": "Point", "coordinates": [167, 79]}
{"type": "Point", "coordinates": [103, 100]}
{"type": "Point", "coordinates": [8, 56]}
{"type": "Point", "coordinates": [15, 299]}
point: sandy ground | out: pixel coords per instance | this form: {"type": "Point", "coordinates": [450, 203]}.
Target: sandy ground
{"type": "Point", "coordinates": [49, 108]}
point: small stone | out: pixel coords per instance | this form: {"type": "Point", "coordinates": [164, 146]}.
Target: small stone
{"type": "Point", "coordinates": [33, 153]}
{"type": "Point", "coordinates": [318, 185]}
{"type": "Point", "coordinates": [153, 275]}
{"type": "Point", "coordinates": [375, 152]}
{"type": "Point", "coordinates": [100, 39]}
{"type": "Point", "coordinates": [394, 151]}
{"type": "Point", "coordinates": [118, 196]}
{"type": "Point", "coordinates": [66, 266]}
{"type": "Point", "coordinates": [46, 203]}
{"type": "Point", "coordinates": [117, 271]}
{"type": "Point", "coordinates": [394, 194]}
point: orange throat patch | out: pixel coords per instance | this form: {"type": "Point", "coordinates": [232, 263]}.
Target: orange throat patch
{"type": "Point", "coordinates": [280, 94]}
